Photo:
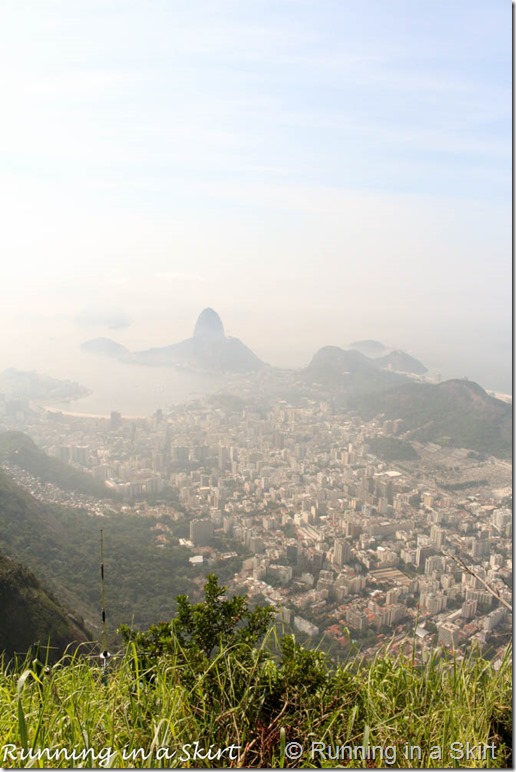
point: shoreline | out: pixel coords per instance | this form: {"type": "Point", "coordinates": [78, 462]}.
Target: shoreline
{"type": "Point", "coordinates": [76, 414]}
{"type": "Point", "coordinates": [503, 397]}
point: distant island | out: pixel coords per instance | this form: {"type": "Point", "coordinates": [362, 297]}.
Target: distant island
{"type": "Point", "coordinates": [208, 350]}
{"type": "Point", "coordinates": [211, 350]}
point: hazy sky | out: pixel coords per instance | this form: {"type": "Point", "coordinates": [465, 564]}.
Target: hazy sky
{"type": "Point", "coordinates": [318, 171]}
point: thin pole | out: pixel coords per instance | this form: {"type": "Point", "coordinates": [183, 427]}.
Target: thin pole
{"type": "Point", "coordinates": [102, 595]}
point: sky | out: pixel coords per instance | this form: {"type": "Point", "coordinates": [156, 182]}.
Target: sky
{"type": "Point", "coordinates": [317, 171]}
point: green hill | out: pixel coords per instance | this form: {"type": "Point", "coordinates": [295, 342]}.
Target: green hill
{"type": "Point", "coordinates": [391, 449]}
{"type": "Point", "coordinates": [17, 448]}
{"type": "Point", "coordinates": [402, 362]}
{"type": "Point", "coordinates": [62, 547]}
{"type": "Point", "coordinates": [348, 372]}
{"type": "Point", "coordinates": [40, 537]}
{"type": "Point", "coordinates": [457, 413]}
{"type": "Point", "coordinates": [30, 615]}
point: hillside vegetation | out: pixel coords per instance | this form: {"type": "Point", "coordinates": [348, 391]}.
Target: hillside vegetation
{"type": "Point", "coordinates": [18, 449]}
{"type": "Point", "coordinates": [391, 449]}
{"type": "Point", "coordinates": [204, 692]}
{"type": "Point", "coordinates": [31, 615]}
{"type": "Point", "coordinates": [61, 546]}
{"type": "Point", "coordinates": [348, 372]}
{"type": "Point", "coordinates": [457, 413]}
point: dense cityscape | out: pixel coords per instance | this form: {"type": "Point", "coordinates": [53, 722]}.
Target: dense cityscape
{"type": "Point", "coordinates": [350, 547]}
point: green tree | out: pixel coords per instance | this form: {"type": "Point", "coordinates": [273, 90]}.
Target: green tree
{"type": "Point", "coordinates": [219, 622]}
{"type": "Point", "coordinates": [213, 643]}
{"type": "Point", "coordinates": [201, 629]}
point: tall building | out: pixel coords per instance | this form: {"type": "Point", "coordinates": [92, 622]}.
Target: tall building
{"type": "Point", "coordinates": [357, 619]}
{"type": "Point", "coordinates": [422, 553]}
{"type": "Point", "coordinates": [115, 420]}
{"type": "Point", "coordinates": [437, 535]}
{"type": "Point", "coordinates": [341, 552]}
{"type": "Point", "coordinates": [469, 608]}
{"type": "Point", "coordinates": [292, 553]}
{"type": "Point", "coordinates": [435, 563]}
{"type": "Point", "coordinates": [448, 634]}
{"type": "Point", "coordinates": [223, 458]}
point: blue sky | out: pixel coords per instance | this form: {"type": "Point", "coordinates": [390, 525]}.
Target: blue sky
{"type": "Point", "coordinates": [333, 169]}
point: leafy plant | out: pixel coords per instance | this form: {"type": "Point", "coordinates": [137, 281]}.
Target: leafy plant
{"type": "Point", "coordinates": [216, 622]}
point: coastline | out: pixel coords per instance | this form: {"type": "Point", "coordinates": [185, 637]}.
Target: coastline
{"type": "Point", "coordinates": [503, 397]}
{"type": "Point", "coordinates": [76, 414]}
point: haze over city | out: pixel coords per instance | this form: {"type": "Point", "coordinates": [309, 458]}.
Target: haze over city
{"type": "Point", "coordinates": [317, 172]}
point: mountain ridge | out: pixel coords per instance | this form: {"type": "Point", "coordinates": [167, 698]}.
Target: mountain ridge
{"type": "Point", "coordinates": [455, 412]}
{"type": "Point", "coordinates": [348, 371]}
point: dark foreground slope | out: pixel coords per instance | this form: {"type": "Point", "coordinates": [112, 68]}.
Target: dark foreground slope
{"type": "Point", "coordinates": [44, 539]}
{"type": "Point", "coordinates": [30, 615]}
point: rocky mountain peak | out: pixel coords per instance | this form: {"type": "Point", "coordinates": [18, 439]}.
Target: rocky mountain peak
{"type": "Point", "coordinates": [208, 323]}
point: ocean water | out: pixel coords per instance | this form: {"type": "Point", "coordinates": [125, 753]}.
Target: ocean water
{"type": "Point", "coordinates": [133, 390]}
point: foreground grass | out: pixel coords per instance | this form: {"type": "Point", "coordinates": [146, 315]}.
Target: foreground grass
{"type": "Point", "coordinates": [258, 712]}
